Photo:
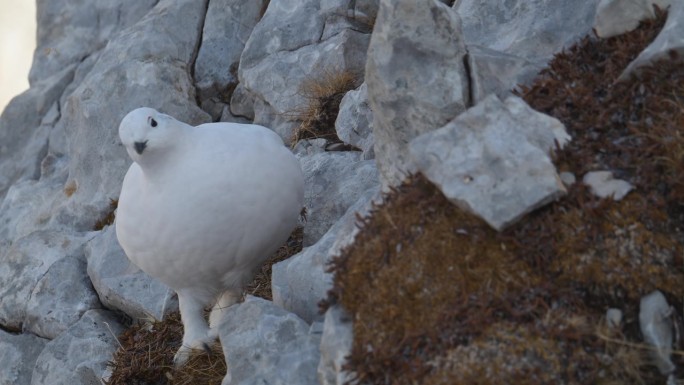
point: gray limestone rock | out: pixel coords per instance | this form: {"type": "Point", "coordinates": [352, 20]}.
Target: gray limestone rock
{"type": "Point", "coordinates": [18, 354]}
{"type": "Point", "coordinates": [121, 285]}
{"type": "Point", "coordinates": [25, 264]}
{"type": "Point", "coordinates": [23, 137]}
{"type": "Point", "coordinates": [301, 282]}
{"type": "Point", "coordinates": [668, 44]}
{"type": "Point", "coordinates": [493, 160]}
{"type": "Point", "coordinates": [147, 64]}
{"type": "Point", "coordinates": [60, 298]}
{"type": "Point", "coordinates": [603, 185]}
{"type": "Point", "coordinates": [70, 30]}
{"type": "Point", "coordinates": [354, 124]}
{"type": "Point", "coordinates": [333, 182]}
{"type": "Point", "coordinates": [531, 29]}
{"type": "Point", "coordinates": [295, 41]}
{"type": "Point", "coordinates": [264, 344]}
{"type": "Point", "coordinates": [227, 27]}
{"type": "Point", "coordinates": [497, 72]}
{"type": "Point", "coordinates": [336, 344]}
{"type": "Point", "coordinates": [416, 77]}
{"type": "Point", "coordinates": [80, 354]}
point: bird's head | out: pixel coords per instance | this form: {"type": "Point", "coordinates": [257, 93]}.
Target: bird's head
{"type": "Point", "coordinates": [145, 131]}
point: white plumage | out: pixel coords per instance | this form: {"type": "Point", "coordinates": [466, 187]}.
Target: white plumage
{"type": "Point", "coordinates": [202, 207]}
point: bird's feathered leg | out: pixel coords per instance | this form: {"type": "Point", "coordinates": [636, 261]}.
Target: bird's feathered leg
{"type": "Point", "coordinates": [195, 328]}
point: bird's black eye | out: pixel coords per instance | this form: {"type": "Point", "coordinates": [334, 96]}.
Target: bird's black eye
{"type": "Point", "coordinates": [153, 122]}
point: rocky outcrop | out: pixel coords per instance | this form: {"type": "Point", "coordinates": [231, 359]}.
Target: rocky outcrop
{"type": "Point", "coordinates": [423, 63]}
{"type": "Point", "coordinates": [416, 76]}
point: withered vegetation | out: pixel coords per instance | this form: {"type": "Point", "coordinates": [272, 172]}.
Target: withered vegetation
{"type": "Point", "coordinates": [109, 216]}
{"type": "Point", "coordinates": [322, 95]}
{"type": "Point", "coordinates": [438, 297]}
{"type": "Point", "coordinates": [146, 355]}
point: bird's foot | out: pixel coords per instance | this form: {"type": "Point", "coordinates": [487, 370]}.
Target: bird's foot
{"type": "Point", "coordinates": [187, 350]}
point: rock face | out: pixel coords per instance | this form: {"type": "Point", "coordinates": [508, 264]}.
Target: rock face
{"type": "Point", "coordinates": [18, 354]}
{"type": "Point", "coordinates": [79, 355]}
{"type": "Point", "coordinates": [416, 77]}
{"type": "Point", "coordinates": [333, 182]}
{"type": "Point", "coordinates": [26, 264]}
{"type": "Point", "coordinates": [423, 63]}
{"type": "Point", "coordinates": [227, 27]}
{"type": "Point", "coordinates": [493, 160]}
{"type": "Point", "coordinates": [265, 344]}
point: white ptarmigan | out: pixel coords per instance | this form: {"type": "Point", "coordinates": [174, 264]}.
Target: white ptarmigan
{"type": "Point", "coordinates": [201, 208]}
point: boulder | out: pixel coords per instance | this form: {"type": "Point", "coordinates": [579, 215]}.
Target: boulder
{"type": "Point", "coordinates": [354, 124]}
{"type": "Point", "coordinates": [416, 76]}
{"type": "Point", "coordinates": [493, 160]}
{"type": "Point", "coordinates": [333, 182]}
{"type": "Point", "coordinates": [80, 354]}
{"type": "Point", "coordinates": [302, 281]}
{"type": "Point", "coordinates": [18, 354]}
{"type": "Point", "coordinates": [121, 285]}
{"type": "Point", "coordinates": [264, 344]}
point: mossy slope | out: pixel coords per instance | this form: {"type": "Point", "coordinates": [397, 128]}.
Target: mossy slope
{"type": "Point", "coordinates": [437, 297]}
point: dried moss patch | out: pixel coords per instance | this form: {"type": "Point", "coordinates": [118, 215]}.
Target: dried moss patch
{"type": "Point", "coordinates": [146, 355]}
{"type": "Point", "coordinates": [437, 297]}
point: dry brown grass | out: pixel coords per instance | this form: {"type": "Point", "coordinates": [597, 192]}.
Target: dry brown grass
{"type": "Point", "coordinates": [323, 95]}
{"type": "Point", "coordinates": [108, 218]}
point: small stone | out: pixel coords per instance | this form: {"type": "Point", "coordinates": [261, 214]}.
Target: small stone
{"type": "Point", "coordinates": [615, 17]}
{"type": "Point", "coordinates": [568, 178]}
{"type": "Point", "coordinates": [655, 321]}
{"type": "Point", "coordinates": [614, 318]}
{"type": "Point", "coordinates": [603, 185]}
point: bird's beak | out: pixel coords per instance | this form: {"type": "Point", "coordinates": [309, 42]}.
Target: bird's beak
{"type": "Point", "coordinates": [140, 147]}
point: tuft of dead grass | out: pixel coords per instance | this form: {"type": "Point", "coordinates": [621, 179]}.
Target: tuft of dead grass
{"type": "Point", "coordinates": [146, 355]}
{"type": "Point", "coordinates": [322, 95]}
{"type": "Point", "coordinates": [109, 217]}
{"type": "Point", "coordinates": [437, 297]}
